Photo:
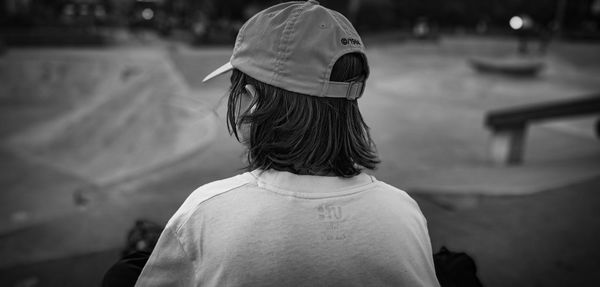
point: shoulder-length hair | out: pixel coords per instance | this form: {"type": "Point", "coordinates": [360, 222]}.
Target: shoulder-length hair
{"type": "Point", "coordinates": [304, 134]}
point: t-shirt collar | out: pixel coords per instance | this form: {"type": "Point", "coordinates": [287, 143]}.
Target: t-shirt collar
{"type": "Point", "coordinates": [288, 181]}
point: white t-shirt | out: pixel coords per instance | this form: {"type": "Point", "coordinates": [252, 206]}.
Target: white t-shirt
{"type": "Point", "coordinates": [272, 228]}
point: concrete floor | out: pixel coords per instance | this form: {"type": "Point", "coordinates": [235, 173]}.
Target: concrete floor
{"type": "Point", "coordinates": [533, 225]}
{"type": "Point", "coordinates": [544, 239]}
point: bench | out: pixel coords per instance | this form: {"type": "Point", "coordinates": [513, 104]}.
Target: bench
{"type": "Point", "coordinates": [509, 126]}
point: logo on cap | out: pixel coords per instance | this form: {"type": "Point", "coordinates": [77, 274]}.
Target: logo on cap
{"type": "Point", "coordinates": [351, 41]}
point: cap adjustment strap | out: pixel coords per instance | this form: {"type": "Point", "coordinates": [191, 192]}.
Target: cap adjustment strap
{"type": "Point", "coordinates": [348, 90]}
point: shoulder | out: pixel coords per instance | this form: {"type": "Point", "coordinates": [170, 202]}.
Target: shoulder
{"type": "Point", "coordinates": [397, 199]}
{"type": "Point", "coordinates": [204, 194]}
{"type": "Point", "coordinates": [395, 192]}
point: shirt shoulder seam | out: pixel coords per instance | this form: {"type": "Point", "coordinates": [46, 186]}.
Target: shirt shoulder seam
{"type": "Point", "coordinates": [214, 194]}
{"type": "Point", "coordinates": [178, 239]}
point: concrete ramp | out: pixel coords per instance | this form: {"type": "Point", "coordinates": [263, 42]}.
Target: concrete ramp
{"type": "Point", "coordinates": [80, 125]}
{"type": "Point", "coordinates": [54, 79]}
{"type": "Point", "coordinates": [141, 116]}
{"type": "Point", "coordinates": [41, 85]}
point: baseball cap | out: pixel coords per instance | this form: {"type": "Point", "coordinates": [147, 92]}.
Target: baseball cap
{"type": "Point", "coordinates": [293, 46]}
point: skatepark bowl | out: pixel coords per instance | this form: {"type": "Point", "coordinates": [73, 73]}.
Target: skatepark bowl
{"type": "Point", "coordinates": [95, 138]}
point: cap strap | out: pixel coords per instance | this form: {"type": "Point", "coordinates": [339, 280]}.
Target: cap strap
{"type": "Point", "coordinates": [348, 90]}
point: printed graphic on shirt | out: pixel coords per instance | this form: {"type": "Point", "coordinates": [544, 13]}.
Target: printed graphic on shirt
{"type": "Point", "coordinates": [332, 222]}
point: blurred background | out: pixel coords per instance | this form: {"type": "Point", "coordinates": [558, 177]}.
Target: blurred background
{"type": "Point", "coordinates": [50, 22]}
{"type": "Point", "coordinates": [487, 112]}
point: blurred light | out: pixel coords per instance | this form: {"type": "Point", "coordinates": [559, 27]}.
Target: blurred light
{"type": "Point", "coordinates": [516, 22]}
{"type": "Point", "coordinates": [595, 7]}
{"type": "Point", "coordinates": [421, 29]}
{"type": "Point", "coordinates": [99, 12]}
{"type": "Point", "coordinates": [69, 10]}
{"type": "Point", "coordinates": [84, 10]}
{"type": "Point", "coordinates": [147, 14]}
{"type": "Point", "coordinates": [199, 28]}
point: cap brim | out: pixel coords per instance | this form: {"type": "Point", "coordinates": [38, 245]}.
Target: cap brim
{"type": "Point", "coordinates": [221, 70]}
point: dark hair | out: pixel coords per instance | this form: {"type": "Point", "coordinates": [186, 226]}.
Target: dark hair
{"type": "Point", "coordinates": [304, 134]}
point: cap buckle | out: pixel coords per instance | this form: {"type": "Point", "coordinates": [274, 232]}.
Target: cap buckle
{"type": "Point", "coordinates": [355, 90]}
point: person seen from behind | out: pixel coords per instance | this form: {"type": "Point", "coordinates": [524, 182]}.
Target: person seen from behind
{"type": "Point", "coordinates": [305, 213]}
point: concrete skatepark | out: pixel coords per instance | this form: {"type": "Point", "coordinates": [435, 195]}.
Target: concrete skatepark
{"type": "Point", "coordinates": [93, 139]}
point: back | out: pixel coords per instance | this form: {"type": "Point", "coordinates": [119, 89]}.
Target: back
{"type": "Point", "coordinates": [280, 229]}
